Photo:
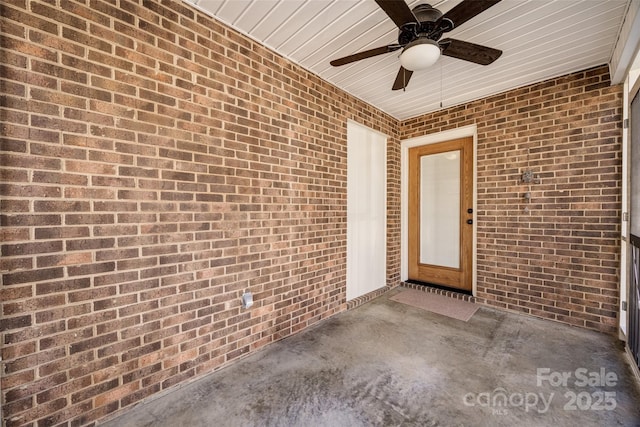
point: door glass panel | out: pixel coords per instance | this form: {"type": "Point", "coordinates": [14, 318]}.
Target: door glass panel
{"type": "Point", "coordinates": [440, 209]}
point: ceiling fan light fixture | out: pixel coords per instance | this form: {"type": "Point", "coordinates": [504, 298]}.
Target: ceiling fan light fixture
{"type": "Point", "coordinates": [420, 54]}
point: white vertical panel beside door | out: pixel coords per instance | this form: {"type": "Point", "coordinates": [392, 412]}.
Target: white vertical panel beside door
{"type": "Point", "coordinates": [366, 210]}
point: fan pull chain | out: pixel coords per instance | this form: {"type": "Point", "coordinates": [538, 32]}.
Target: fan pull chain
{"type": "Point", "coordinates": [441, 83]}
{"type": "Point", "coordinates": [404, 80]}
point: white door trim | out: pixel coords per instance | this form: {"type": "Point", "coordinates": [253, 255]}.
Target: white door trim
{"type": "Point", "coordinates": [405, 145]}
{"type": "Point", "coordinates": [631, 89]}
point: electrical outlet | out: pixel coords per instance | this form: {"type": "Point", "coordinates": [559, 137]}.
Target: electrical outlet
{"type": "Point", "coordinates": [247, 300]}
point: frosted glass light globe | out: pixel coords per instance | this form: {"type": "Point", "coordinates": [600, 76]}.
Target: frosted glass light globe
{"type": "Point", "coordinates": [420, 54]}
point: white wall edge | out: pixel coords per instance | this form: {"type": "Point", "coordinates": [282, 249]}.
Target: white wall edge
{"type": "Point", "coordinates": [624, 55]}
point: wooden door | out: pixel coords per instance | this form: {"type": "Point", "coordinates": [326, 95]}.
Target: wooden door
{"type": "Point", "coordinates": [441, 214]}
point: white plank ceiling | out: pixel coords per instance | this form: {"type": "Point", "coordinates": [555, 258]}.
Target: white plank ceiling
{"type": "Point", "coordinates": [540, 39]}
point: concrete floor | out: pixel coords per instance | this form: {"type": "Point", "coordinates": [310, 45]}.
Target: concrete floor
{"type": "Point", "coordinates": [388, 364]}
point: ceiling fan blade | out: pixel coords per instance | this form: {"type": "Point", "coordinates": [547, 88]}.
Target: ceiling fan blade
{"type": "Point", "coordinates": [398, 11]}
{"type": "Point", "coordinates": [469, 51]}
{"type": "Point", "coordinates": [466, 10]}
{"type": "Point", "coordinates": [402, 79]}
{"type": "Point", "coordinates": [365, 54]}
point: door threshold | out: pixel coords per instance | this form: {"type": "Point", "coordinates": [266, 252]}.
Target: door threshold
{"type": "Point", "coordinates": [440, 287]}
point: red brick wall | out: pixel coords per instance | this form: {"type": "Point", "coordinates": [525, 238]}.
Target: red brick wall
{"type": "Point", "coordinates": [559, 260]}
{"type": "Point", "coordinates": [155, 164]}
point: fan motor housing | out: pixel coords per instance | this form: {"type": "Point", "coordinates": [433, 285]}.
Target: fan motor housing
{"type": "Point", "coordinates": [427, 17]}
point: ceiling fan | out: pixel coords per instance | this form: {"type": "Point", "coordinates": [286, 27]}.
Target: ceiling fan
{"type": "Point", "coordinates": [419, 36]}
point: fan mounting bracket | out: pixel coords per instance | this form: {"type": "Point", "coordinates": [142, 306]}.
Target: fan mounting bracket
{"type": "Point", "coordinates": [430, 29]}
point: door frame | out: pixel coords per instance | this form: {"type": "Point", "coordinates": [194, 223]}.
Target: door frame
{"type": "Point", "coordinates": [628, 311]}
{"type": "Point", "coordinates": [405, 145]}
